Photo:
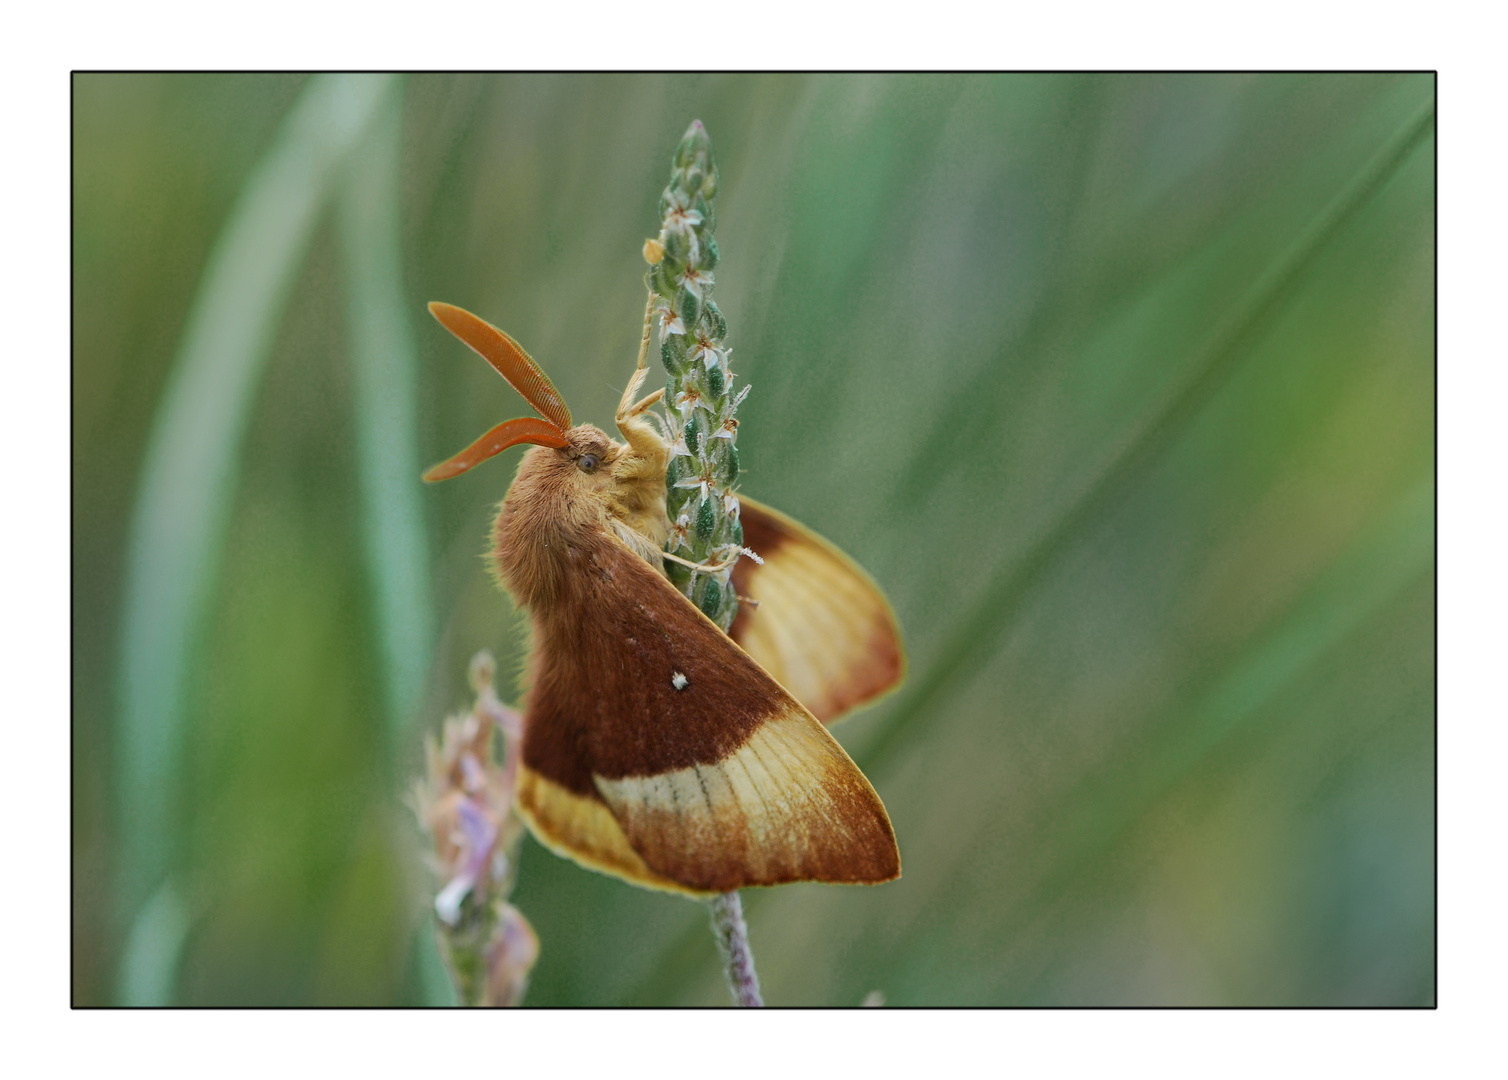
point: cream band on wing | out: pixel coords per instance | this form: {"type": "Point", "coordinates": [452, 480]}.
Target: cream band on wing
{"type": "Point", "coordinates": [788, 805]}
{"type": "Point", "coordinates": [584, 830]}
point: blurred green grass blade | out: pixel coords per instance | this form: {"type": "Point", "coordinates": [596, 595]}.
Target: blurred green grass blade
{"type": "Point", "coordinates": [435, 987]}
{"type": "Point", "coordinates": [192, 462]}
{"type": "Point", "coordinates": [149, 965]}
{"type": "Point", "coordinates": [1380, 564]}
{"type": "Point", "coordinates": [976, 632]}
{"type": "Point", "coordinates": [385, 372]}
{"type": "Point", "coordinates": [385, 368]}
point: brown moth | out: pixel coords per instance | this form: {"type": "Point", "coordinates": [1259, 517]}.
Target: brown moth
{"type": "Point", "coordinates": [656, 747]}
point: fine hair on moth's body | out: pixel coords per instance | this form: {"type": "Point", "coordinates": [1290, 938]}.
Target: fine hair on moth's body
{"type": "Point", "coordinates": [655, 747]}
{"type": "Point", "coordinates": [593, 483]}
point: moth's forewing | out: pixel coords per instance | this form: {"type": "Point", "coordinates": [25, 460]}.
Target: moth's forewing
{"type": "Point", "coordinates": [823, 628]}
{"type": "Point", "coordinates": [715, 777]}
{"type": "Point", "coordinates": [582, 828]}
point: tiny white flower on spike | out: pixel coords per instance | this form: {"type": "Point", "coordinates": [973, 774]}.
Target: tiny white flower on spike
{"type": "Point", "coordinates": [710, 354]}
{"type": "Point", "coordinates": [687, 400]}
{"type": "Point", "coordinates": [730, 504]}
{"type": "Point", "coordinates": [695, 281]}
{"type": "Point", "coordinates": [681, 220]}
{"type": "Point", "coordinates": [705, 482]}
{"type": "Point", "coordinates": [670, 322]}
{"type": "Point", "coordinates": [727, 429]}
{"type": "Point", "coordinates": [679, 217]}
{"type": "Point", "coordinates": [678, 448]}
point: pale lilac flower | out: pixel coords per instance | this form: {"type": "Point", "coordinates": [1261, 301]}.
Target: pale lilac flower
{"type": "Point", "coordinates": [511, 958]}
{"type": "Point", "coordinates": [473, 778]}
{"type": "Point", "coordinates": [475, 837]}
{"type": "Point", "coordinates": [465, 803]}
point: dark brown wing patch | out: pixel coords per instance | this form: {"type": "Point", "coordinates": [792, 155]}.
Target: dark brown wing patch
{"type": "Point", "coordinates": [607, 661]}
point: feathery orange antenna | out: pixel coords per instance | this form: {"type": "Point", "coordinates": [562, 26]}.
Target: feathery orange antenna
{"type": "Point", "coordinates": [508, 358]}
{"type": "Point", "coordinates": [526, 429]}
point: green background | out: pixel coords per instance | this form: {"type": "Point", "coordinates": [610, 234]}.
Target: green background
{"type": "Point", "coordinates": [1121, 386]}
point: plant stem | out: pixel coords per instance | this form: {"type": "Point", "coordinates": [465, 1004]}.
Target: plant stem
{"type": "Point", "coordinates": [700, 405]}
{"type": "Point", "coordinates": [733, 942]}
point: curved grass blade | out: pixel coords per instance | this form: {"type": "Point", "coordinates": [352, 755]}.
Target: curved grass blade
{"type": "Point", "coordinates": [192, 462]}
{"type": "Point", "coordinates": [149, 965]}
{"type": "Point", "coordinates": [385, 366]}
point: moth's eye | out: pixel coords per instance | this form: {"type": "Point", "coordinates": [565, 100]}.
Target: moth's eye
{"type": "Point", "coordinates": [587, 463]}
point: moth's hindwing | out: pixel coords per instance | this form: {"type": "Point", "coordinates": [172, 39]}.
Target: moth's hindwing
{"type": "Point", "coordinates": [822, 626]}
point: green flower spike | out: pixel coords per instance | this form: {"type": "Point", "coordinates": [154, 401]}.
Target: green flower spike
{"type": "Point", "coordinates": [701, 402]}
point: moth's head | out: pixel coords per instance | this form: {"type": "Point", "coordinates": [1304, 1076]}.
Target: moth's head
{"type": "Point", "coordinates": [583, 467]}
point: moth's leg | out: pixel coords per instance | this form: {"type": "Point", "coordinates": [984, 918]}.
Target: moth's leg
{"type": "Point", "coordinates": [660, 425]}
{"type": "Point", "coordinates": [639, 544]}
{"type": "Point", "coordinates": [649, 318]}
{"type": "Point", "coordinates": [644, 403]}
{"type": "Point", "coordinates": [626, 407]}
{"type": "Point", "coordinates": [645, 440]}
{"type": "Point", "coordinates": [626, 403]}
{"type": "Point", "coordinates": [710, 567]}
{"type": "Point", "coordinates": [707, 566]}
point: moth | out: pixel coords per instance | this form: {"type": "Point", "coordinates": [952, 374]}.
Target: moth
{"type": "Point", "coordinates": [656, 747]}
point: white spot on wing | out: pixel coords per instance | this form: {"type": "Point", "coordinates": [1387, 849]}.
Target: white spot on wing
{"type": "Point", "coordinates": [679, 681]}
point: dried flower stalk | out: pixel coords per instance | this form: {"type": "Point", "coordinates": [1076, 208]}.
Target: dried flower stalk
{"type": "Point", "coordinates": [466, 805]}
